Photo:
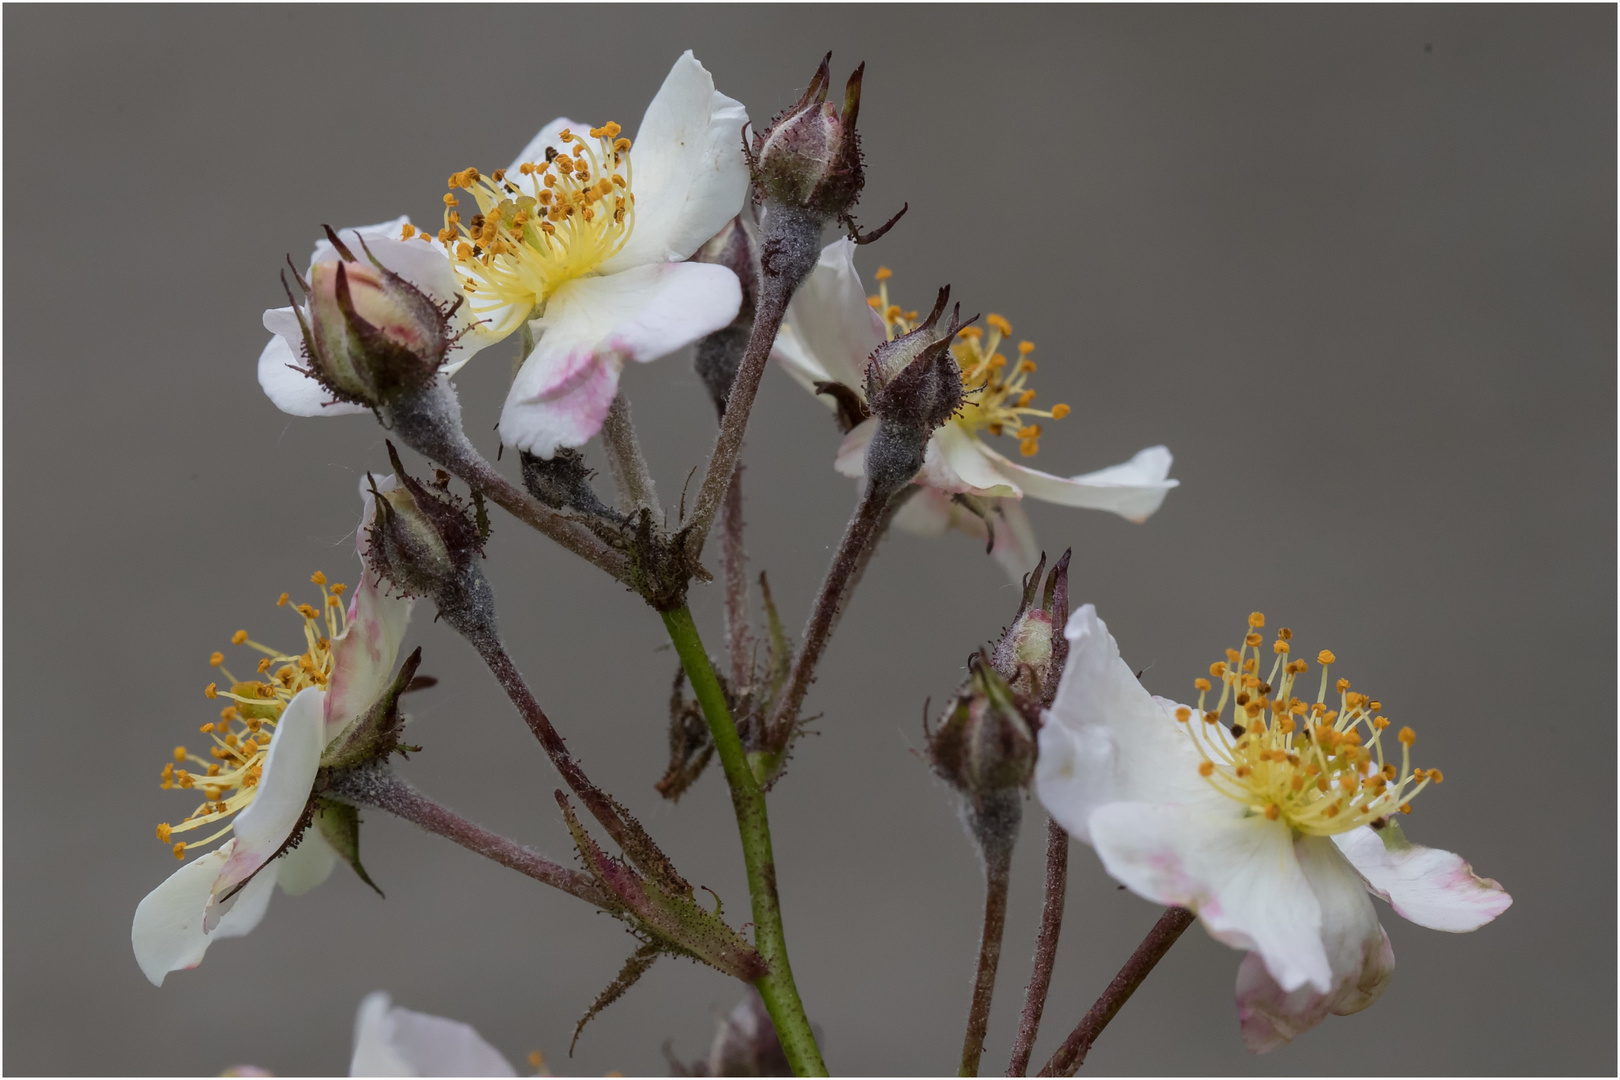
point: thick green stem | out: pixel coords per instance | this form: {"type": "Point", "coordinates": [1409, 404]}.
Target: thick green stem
{"type": "Point", "coordinates": [748, 800]}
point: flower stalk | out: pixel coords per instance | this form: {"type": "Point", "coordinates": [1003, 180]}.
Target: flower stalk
{"type": "Point", "coordinates": [753, 825]}
{"type": "Point", "coordinates": [1046, 943]}
{"type": "Point", "coordinates": [998, 864]}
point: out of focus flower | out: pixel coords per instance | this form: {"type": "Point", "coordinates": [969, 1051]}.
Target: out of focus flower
{"type": "Point", "coordinates": [255, 776]}
{"type": "Point", "coordinates": [831, 330]}
{"type": "Point", "coordinates": [1272, 822]}
{"type": "Point", "coordinates": [391, 1041]}
{"type": "Point", "coordinates": [590, 251]}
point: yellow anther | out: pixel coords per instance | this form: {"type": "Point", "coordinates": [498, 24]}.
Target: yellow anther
{"type": "Point", "coordinates": [1256, 620]}
{"type": "Point", "coordinates": [281, 601]}
{"type": "Point", "coordinates": [874, 302]}
{"type": "Point", "coordinates": [406, 231]}
{"type": "Point", "coordinates": [1059, 411]}
{"type": "Point", "coordinates": [1407, 736]}
{"type": "Point", "coordinates": [206, 728]}
{"type": "Point", "coordinates": [211, 690]}
{"type": "Point", "coordinates": [1217, 669]}
{"type": "Point", "coordinates": [318, 578]}
{"type": "Point", "coordinates": [307, 612]}
{"type": "Point", "coordinates": [212, 794]}
{"type": "Point", "coordinates": [1252, 639]}
{"type": "Point", "coordinates": [1025, 348]}
{"type": "Point", "coordinates": [241, 635]}
{"type": "Point", "coordinates": [1406, 808]}
{"type": "Point", "coordinates": [1029, 448]}
{"type": "Point", "coordinates": [1183, 714]}
{"type": "Point", "coordinates": [450, 200]}
{"type": "Point", "coordinates": [264, 665]}
{"type": "Point", "coordinates": [1342, 685]}
{"type": "Point", "coordinates": [1434, 774]}
{"type": "Point", "coordinates": [1205, 768]}
{"type": "Point", "coordinates": [1325, 657]}
{"type": "Point", "coordinates": [1027, 366]}
{"type": "Point", "coordinates": [996, 322]}
{"type": "Point", "coordinates": [164, 832]}
{"type": "Point", "coordinates": [216, 659]}
{"type": "Point", "coordinates": [1280, 648]}
{"type": "Point", "coordinates": [180, 849]}
{"type": "Point", "coordinates": [1201, 684]}
{"type": "Point", "coordinates": [1212, 718]}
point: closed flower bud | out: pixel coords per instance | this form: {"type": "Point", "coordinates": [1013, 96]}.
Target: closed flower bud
{"type": "Point", "coordinates": [370, 336]}
{"type": "Point", "coordinates": [985, 744]}
{"type": "Point", "coordinates": [1032, 650]}
{"type": "Point", "coordinates": [718, 355]}
{"type": "Point", "coordinates": [809, 158]}
{"type": "Point", "coordinates": [913, 386]}
{"type": "Point", "coordinates": [424, 540]}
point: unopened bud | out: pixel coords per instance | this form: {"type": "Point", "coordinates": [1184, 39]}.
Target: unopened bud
{"type": "Point", "coordinates": [913, 386]}
{"type": "Point", "coordinates": [1031, 652]}
{"type": "Point", "coordinates": [809, 158]}
{"type": "Point", "coordinates": [370, 336]}
{"type": "Point", "coordinates": [984, 744]}
{"type": "Point", "coordinates": [718, 355]}
{"type": "Point", "coordinates": [424, 540]}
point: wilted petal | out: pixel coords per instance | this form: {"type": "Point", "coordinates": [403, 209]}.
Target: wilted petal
{"type": "Point", "coordinates": [1106, 739]}
{"type": "Point", "coordinates": [591, 327]}
{"type": "Point", "coordinates": [1357, 948]}
{"type": "Point", "coordinates": [1238, 873]}
{"type": "Point", "coordinates": [363, 656]}
{"type": "Point", "coordinates": [1427, 886]}
{"type": "Point", "coordinates": [390, 1041]}
{"type": "Point", "coordinates": [830, 330]}
{"type": "Point", "coordinates": [284, 787]}
{"type": "Point", "coordinates": [689, 175]}
{"type": "Point", "coordinates": [1133, 490]}
{"type": "Point", "coordinates": [168, 932]}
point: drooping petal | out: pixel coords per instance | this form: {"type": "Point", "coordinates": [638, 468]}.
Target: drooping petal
{"type": "Point", "coordinates": [363, 655]}
{"type": "Point", "coordinates": [1424, 885]}
{"type": "Point", "coordinates": [390, 1041]}
{"type": "Point", "coordinates": [930, 512]}
{"type": "Point", "coordinates": [168, 932]}
{"type": "Point", "coordinates": [1106, 739]}
{"type": "Point", "coordinates": [830, 330]}
{"type": "Point", "coordinates": [305, 866]}
{"type": "Point", "coordinates": [1133, 490]}
{"type": "Point", "coordinates": [591, 327]}
{"type": "Point", "coordinates": [1240, 875]}
{"type": "Point", "coordinates": [957, 461]}
{"type": "Point", "coordinates": [283, 793]}
{"type": "Point", "coordinates": [688, 170]}
{"type": "Point", "coordinates": [282, 372]}
{"type": "Point", "coordinates": [1357, 948]}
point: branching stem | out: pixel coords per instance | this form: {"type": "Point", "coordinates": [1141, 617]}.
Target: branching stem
{"type": "Point", "coordinates": [753, 824]}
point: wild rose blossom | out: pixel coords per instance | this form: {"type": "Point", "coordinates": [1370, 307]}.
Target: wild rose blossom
{"type": "Point", "coordinates": [832, 328]}
{"type": "Point", "coordinates": [1273, 824]}
{"type": "Point", "coordinates": [391, 1041]}
{"type": "Point", "coordinates": [259, 771]}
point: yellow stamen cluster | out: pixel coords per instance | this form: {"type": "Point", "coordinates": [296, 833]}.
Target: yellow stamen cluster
{"type": "Point", "coordinates": [997, 398]}
{"type": "Point", "coordinates": [1322, 770]}
{"type": "Point", "coordinates": [228, 777]}
{"type": "Point", "coordinates": [557, 220]}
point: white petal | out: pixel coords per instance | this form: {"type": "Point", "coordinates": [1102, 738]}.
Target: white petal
{"type": "Point", "coordinates": [284, 787]}
{"type": "Point", "coordinates": [1106, 739]}
{"type": "Point", "coordinates": [354, 235]}
{"type": "Point", "coordinates": [281, 377]}
{"type": "Point", "coordinates": [1427, 886]}
{"type": "Point", "coordinates": [1015, 546]}
{"type": "Point", "coordinates": [363, 656]}
{"type": "Point", "coordinates": [305, 866]}
{"type": "Point", "coordinates": [1133, 490]}
{"type": "Point", "coordinates": [929, 512]}
{"type": "Point", "coordinates": [591, 327]}
{"type": "Point", "coordinates": [1357, 948]}
{"type": "Point", "coordinates": [958, 462]}
{"type": "Point", "coordinates": [168, 932]}
{"type": "Point", "coordinates": [1239, 874]}
{"type": "Point", "coordinates": [851, 458]}
{"type": "Point", "coordinates": [390, 1041]}
{"type": "Point", "coordinates": [830, 329]}
{"type": "Point", "coordinates": [246, 909]}
{"type": "Point", "coordinates": [687, 168]}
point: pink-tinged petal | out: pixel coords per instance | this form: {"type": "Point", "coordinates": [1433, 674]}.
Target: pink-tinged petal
{"type": "Point", "coordinates": [363, 656]}
{"type": "Point", "coordinates": [1430, 887]}
{"type": "Point", "coordinates": [1240, 874]}
{"type": "Point", "coordinates": [689, 175]}
{"type": "Point", "coordinates": [1357, 948]}
{"type": "Point", "coordinates": [390, 1041]}
{"type": "Point", "coordinates": [168, 933]}
{"type": "Point", "coordinates": [958, 462]}
{"type": "Point", "coordinates": [830, 329]}
{"type": "Point", "coordinates": [284, 788]}
{"type": "Point", "coordinates": [851, 458]}
{"type": "Point", "coordinates": [930, 512]}
{"type": "Point", "coordinates": [1133, 490]}
{"type": "Point", "coordinates": [246, 909]}
{"type": "Point", "coordinates": [305, 866]}
{"type": "Point", "coordinates": [281, 372]}
{"type": "Point", "coordinates": [591, 327]}
{"type": "Point", "coordinates": [1106, 739]}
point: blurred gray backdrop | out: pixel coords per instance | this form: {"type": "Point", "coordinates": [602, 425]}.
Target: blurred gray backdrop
{"type": "Point", "coordinates": [1354, 266]}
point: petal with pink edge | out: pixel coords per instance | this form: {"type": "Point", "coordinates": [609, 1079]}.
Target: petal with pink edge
{"type": "Point", "coordinates": [363, 656]}
{"type": "Point", "coordinates": [1357, 949]}
{"type": "Point", "coordinates": [1430, 887]}
{"type": "Point", "coordinates": [830, 329]}
{"type": "Point", "coordinates": [688, 171]}
{"type": "Point", "coordinates": [390, 1041]}
{"type": "Point", "coordinates": [1133, 490]}
{"type": "Point", "coordinates": [1106, 739]}
{"type": "Point", "coordinates": [1240, 874]}
{"type": "Point", "coordinates": [591, 327]}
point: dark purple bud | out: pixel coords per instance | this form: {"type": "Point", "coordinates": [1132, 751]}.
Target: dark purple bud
{"type": "Point", "coordinates": [913, 386]}
{"type": "Point", "coordinates": [809, 158]}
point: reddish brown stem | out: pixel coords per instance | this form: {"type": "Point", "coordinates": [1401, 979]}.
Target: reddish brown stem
{"type": "Point", "coordinates": [984, 979]}
{"type": "Point", "coordinates": [1046, 943]}
{"type": "Point", "coordinates": [1072, 1054]}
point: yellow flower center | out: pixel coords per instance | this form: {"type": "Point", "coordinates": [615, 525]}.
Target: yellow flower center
{"type": "Point", "coordinates": [228, 778]}
{"type": "Point", "coordinates": [996, 399]}
{"type": "Point", "coordinates": [1322, 770]}
{"type": "Point", "coordinates": [557, 220]}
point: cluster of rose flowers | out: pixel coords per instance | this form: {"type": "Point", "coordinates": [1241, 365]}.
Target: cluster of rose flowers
{"type": "Point", "coordinates": [1271, 818]}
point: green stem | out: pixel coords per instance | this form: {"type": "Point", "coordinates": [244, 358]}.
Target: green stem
{"type": "Point", "coordinates": [748, 800]}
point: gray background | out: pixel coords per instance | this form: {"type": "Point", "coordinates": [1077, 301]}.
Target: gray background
{"type": "Point", "coordinates": [1364, 288]}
